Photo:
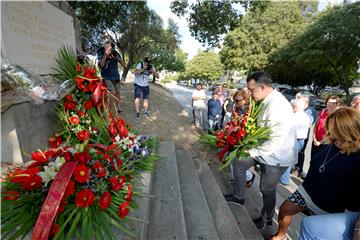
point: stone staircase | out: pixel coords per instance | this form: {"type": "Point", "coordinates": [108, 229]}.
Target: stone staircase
{"type": "Point", "coordinates": [186, 202]}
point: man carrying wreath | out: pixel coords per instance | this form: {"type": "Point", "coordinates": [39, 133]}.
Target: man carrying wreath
{"type": "Point", "coordinates": [274, 155]}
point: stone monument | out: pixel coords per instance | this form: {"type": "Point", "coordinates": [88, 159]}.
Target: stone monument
{"type": "Point", "coordinates": [31, 34]}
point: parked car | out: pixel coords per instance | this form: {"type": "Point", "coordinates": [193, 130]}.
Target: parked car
{"type": "Point", "coordinates": [315, 101]}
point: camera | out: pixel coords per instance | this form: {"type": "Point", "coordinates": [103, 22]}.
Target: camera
{"type": "Point", "coordinates": [114, 53]}
{"type": "Point", "coordinates": [149, 67]}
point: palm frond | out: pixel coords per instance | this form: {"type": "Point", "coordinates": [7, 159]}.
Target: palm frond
{"type": "Point", "coordinates": [65, 64]}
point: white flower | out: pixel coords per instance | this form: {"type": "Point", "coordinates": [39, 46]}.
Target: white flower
{"type": "Point", "coordinates": [117, 138]}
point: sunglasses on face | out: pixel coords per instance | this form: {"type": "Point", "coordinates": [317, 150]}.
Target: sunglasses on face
{"type": "Point", "coordinates": [238, 100]}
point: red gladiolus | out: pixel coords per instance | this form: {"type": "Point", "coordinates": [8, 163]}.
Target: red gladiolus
{"type": "Point", "coordinates": [69, 98]}
{"type": "Point", "coordinates": [105, 200]}
{"type": "Point", "coordinates": [82, 173]}
{"type": "Point", "coordinates": [84, 198]}
{"type": "Point", "coordinates": [69, 105]}
{"type": "Point", "coordinates": [62, 206]}
{"type": "Point", "coordinates": [70, 189]}
{"type": "Point", "coordinates": [74, 119]}
{"type": "Point", "coordinates": [220, 144]}
{"type": "Point", "coordinates": [88, 105]}
{"type": "Point", "coordinates": [83, 135]}
{"type": "Point", "coordinates": [82, 157]}
{"type": "Point", "coordinates": [55, 229]}
{"type": "Point", "coordinates": [67, 156]}
{"type": "Point", "coordinates": [112, 129]}
{"type": "Point", "coordinates": [53, 142]}
{"type": "Point", "coordinates": [78, 68]}
{"type": "Point", "coordinates": [241, 134]}
{"type": "Point", "coordinates": [123, 209]}
{"type": "Point", "coordinates": [32, 183]}
{"type": "Point", "coordinates": [39, 157]}
{"type": "Point", "coordinates": [81, 113]}
{"type": "Point", "coordinates": [22, 176]}
{"type": "Point", "coordinates": [100, 169]}
{"type": "Point", "coordinates": [80, 84]}
{"type": "Point", "coordinates": [11, 196]}
{"type": "Point", "coordinates": [115, 184]}
{"type": "Point", "coordinates": [129, 193]}
{"type": "Point", "coordinates": [93, 85]}
{"type": "Point", "coordinates": [232, 140]}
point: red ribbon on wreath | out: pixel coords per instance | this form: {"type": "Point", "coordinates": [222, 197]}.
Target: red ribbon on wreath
{"type": "Point", "coordinates": [52, 202]}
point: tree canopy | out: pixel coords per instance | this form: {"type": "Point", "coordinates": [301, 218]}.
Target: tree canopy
{"type": "Point", "coordinates": [205, 66]}
{"type": "Point", "coordinates": [261, 32]}
{"type": "Point", "coordinates": [326, 53]}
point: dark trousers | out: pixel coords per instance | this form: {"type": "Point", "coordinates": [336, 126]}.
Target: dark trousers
{"type": "Point", "coordinates": [301, 157]}
{"type": "Point", "coordinates": [270, 176]}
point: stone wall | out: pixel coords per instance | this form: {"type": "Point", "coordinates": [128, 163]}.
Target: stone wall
{"type": "Point", "coordinates": [26, 126]}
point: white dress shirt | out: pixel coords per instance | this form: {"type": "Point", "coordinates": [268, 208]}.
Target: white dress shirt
{"type": "Point", "coordinates": [302, 124]}
{"type": "Point", "coordinates": [199, 103]}
{"type": "Point", "coordinates": [280, 149]}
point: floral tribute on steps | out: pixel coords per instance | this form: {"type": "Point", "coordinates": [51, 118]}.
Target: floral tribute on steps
{"type": "Point", "coordinates": [242, 133]}
{"type": "Point", "coordinates": [85, 181]}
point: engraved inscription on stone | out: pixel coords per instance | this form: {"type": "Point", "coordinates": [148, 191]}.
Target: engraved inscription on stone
{"type": "Point", "coordinates": [32, 32]}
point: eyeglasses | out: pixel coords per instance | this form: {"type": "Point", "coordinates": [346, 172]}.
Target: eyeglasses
{"type": "Point", "coordinates": [238, 100]}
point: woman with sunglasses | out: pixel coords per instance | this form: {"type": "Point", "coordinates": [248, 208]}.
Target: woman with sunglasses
{"type": "Point", "coordinates": [332, 182]}
{"type": "Point", "coordinates": [332, 103]}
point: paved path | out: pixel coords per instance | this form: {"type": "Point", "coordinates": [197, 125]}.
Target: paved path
{"type": "Point", "coordinates": [183, 96]}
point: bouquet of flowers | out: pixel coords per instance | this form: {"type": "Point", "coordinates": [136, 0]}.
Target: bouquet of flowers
{"type": "Point", "coordinates": [242, 133]}
{"type": "Point", "coordinates": [85, 182]}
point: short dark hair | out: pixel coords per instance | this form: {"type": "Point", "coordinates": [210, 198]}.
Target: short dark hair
{"type": "Point", "coordinates": [199, 83]}
{"type": "Point", "coordinates": [260, 77]}
{"type": "Point", "coordinates": [146, 59]}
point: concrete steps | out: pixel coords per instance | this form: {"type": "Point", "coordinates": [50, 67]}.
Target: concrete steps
{"type": "Point", "coordinates": [187, 202]}
{"type": "Point", "coordinates": [166, 216]}
{"type": "Point", "coordinates": [199, 222]}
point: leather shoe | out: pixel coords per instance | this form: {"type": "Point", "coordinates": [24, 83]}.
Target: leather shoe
{"type": "Point", "coordinates": [261, 223]}
{"type": "Point", "coordinates": [231, 198]}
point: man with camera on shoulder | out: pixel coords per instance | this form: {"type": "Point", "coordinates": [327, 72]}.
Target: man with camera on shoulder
{"type": "Point", "coordinates": [108, 60]}
{"type": "Point", "coordinates": [141, 85]}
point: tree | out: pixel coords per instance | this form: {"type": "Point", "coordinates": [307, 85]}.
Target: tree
{"type": "Point", "coordinates": [207, 20]}
{"type": "Point", "coordinates": [261, 33]}
{"type": "Point", "coordinates": [329, 48]}
{"type": "Point", "coordinates": [135, 29]}
{"type": "Point", "coordinates": [205, 66]}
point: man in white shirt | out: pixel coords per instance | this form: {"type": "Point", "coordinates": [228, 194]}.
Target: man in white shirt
{"type": "Point", "coordinates": [274, 155]}
{"type": "Point", "coordinates": [198, 103]}
{"type": "Point", "coordinates": [301, 123]}
{"type": "Point", "coordinates": [141, 85]}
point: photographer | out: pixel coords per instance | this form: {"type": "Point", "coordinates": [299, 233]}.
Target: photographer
{"type": "Point", "coordinates": [108, 59]}
{"type": "Point", "coordinates": [141, 85]}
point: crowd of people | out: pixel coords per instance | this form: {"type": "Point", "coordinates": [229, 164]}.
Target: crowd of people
{"type": "Point", "coordinates": [329, 194]}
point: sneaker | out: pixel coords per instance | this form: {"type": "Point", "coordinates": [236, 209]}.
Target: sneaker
{"type": "Point", "coordinates": [137, 115]}
{"type": "Point", "coordinates": [231, 198]}
{"type": "Point", "coordinates": [146, 114]}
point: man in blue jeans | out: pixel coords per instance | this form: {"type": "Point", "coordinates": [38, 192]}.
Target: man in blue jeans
{"type": "Point", "coordinates": [141, 85]}
{"type": "Point", "coordinates": [108, 60]}
{"type": "Point", "coordinates": [274, 155]}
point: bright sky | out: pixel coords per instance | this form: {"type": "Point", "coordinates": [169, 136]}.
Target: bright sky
{"type": "Point", "coordinates": [188, 43]}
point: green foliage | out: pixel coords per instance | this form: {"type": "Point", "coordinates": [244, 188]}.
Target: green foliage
{"type": "Point", "coordinates": [136, 30]}
{"type": "Point", "coordinates": [326, 53]}
{"type": "Point", "coordinates": [205, 66]}
{"type": "Point", "coordinates": [261, 33]}
{"type": "Point", "coordinates": [65, 64]}
{"type": "Point", "coordinates": [169, 79]}
{"type": "Point", "coordinates": [208, 20]}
